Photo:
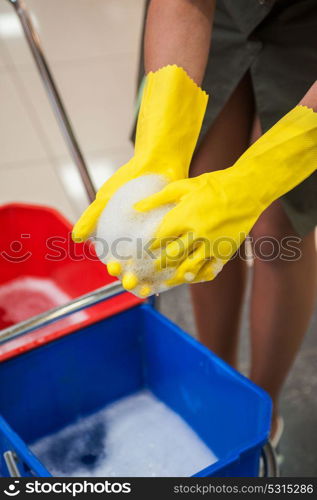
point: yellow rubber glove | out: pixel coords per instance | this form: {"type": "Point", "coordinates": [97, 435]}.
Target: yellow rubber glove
{"type": "Point", "coordinates": [169, 122]}
{"type": "Point", "coordinates": [214, 212]}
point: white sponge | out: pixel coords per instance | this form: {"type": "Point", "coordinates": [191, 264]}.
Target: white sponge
{"type": "Point", "coordinates": [123, 235]}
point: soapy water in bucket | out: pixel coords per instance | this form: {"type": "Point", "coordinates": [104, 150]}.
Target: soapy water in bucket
{"type": "Point", "coordinates": [137, 435]}
{"type": "Point", "coordinates": [123, 235]}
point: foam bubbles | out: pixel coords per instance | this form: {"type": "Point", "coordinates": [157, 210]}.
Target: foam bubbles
{"type": "Point", "coordinates": [27, 296]}
{"type": "Point", "coordinates": [123, 236]}
{"type": "Point", "coordinates": [137, 435]}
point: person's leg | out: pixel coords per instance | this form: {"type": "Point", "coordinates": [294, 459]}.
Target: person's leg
{"type": "Point", "coordinates": [282, 300]}
{"type": "Point", "coordinates": [217, 304]}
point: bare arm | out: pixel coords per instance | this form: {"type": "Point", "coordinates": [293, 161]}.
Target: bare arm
{"type": "Point", "coordinates": [179, 32]}
{"type": "Point", "coordinates": [310, 98]}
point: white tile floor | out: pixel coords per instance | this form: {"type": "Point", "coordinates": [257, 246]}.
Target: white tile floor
{"type": "Point", "coordinates": [92, 47]}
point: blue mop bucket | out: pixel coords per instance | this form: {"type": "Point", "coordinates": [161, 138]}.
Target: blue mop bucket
{"type": "Point", "coordinates": [53, 385]}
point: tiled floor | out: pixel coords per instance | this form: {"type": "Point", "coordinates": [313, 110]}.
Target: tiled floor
{"type": "Point", "coordinates": [92, 46]}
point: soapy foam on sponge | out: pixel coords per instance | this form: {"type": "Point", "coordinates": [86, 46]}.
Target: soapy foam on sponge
{"type": "Point", "coordinates": [123, 235]}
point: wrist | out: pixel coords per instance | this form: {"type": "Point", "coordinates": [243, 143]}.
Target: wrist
{"type": "Point", "coordinates": [161, 162]}
{"type": "Point", "coordinates": [310, 98]}
{"type": "Point", "coordinates": [170, 117]}
{"type": "Point", "coordinates": [282, 158]}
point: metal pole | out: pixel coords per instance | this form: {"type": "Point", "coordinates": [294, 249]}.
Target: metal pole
{"type": "Point", "coordinates": [48, 317]}
{"type": "Point", "coordinates": [65, 126]}
{"type": "Point", "coordinates": [11, 460]}
{"type": "Point", "coordinates": [271, 468]}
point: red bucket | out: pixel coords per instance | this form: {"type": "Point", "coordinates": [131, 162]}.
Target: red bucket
{"type": "Point", "coordinates": [41, 268]}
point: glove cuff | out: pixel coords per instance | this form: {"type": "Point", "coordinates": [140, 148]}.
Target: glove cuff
{"type": "Point", "coordinates": [282, 158]}
{"type": "Point", "coordinates": [170, 119]}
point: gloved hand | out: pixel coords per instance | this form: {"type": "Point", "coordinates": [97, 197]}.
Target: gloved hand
{"type": "Point", "coordinates": [214, 212]}
{"type": "Point", "coordinates": [169, 122]}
